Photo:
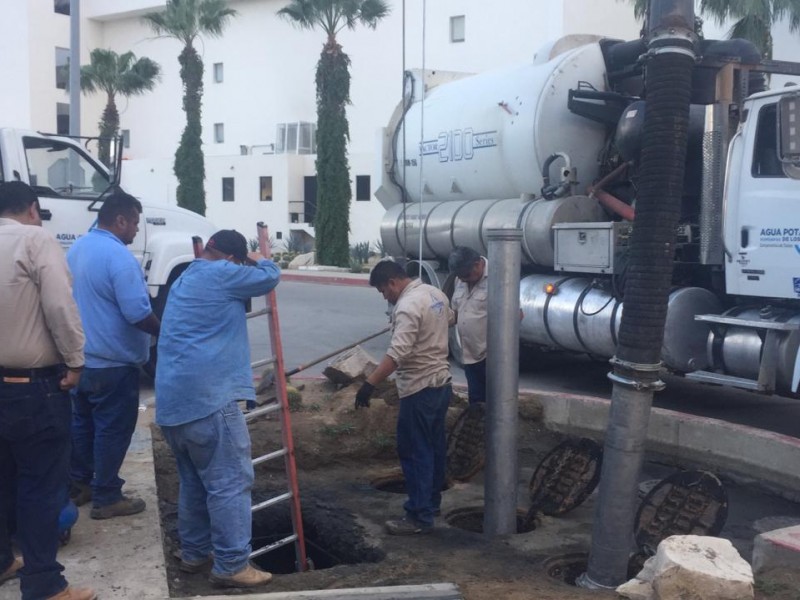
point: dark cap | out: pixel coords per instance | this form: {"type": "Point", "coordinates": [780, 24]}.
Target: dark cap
{"type": "Point", "coordinates": [230, 241]}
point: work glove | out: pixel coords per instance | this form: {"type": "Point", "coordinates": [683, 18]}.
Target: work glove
{"type": "Point", "coordinates": [363, 394]}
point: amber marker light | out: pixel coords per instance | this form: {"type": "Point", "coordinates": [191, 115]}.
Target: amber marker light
{"type": "Point", "coordinates": [550, 289]}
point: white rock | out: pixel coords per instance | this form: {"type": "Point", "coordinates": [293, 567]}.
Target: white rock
{"type": "Point", "coordinates": [302, 260]}
{"type": "Point", "coordinates": [350, 365]}
{"type": "Point", "coordinates": [692, 567]}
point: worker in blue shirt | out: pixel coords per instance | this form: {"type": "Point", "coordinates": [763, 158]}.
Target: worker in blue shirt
{"type": "Point", "coordinates": [203, 371]}
{"type": "Point", "coordinates": [114, 305]}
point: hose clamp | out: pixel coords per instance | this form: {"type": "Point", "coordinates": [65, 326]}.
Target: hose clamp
{"type": "Point", "coordinates": [633, 383]}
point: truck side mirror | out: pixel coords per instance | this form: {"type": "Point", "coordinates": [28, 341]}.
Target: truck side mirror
{"type": "Point", "coordinates": [789, 129]}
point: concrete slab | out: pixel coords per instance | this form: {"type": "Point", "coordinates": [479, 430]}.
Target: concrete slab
{"type": "Point", "coordinates": [431, 591]}
{"type": "Point", "coordinates": [777, 548]}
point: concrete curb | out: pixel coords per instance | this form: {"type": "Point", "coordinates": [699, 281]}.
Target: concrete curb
{"type": "Point", "coordinates": [324, 279]}
{"type": "Point", "coordinates": [745, 453]}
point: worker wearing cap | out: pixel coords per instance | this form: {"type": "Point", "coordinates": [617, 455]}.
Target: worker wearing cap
{"type": "Point", "coordinates": [469, 303]}
{"type": "Point", "coordinates": [203, 372]}
{"type": "Point", "coordinates": [115, 309]}
{"type": "Point", "coordinates": [418, 353]}
{"type": "Point", "coordinates": [41, 357]}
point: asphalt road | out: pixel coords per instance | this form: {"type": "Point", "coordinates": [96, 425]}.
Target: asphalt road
{"type": "Point", "coordinates": [316, 319]}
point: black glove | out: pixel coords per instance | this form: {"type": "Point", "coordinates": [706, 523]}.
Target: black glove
{"type": "Point", "coordinates": [363, 394]}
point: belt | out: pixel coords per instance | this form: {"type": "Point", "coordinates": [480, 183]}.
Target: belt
{"type": "Point", "coordinates": [7, 373]}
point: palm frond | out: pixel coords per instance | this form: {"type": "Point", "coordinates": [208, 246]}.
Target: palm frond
{"type": "Point", "coordinates": [756, 30]}
{"type": "Point", "coordinates": [372, 11]}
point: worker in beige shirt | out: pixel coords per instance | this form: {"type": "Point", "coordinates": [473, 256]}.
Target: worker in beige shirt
{"type": "Point", "coordinates": [469, 303]}
{"type": "Point", "coordinates": [418, 353]}
{"type": "Point", "coordinates": [41, 357]}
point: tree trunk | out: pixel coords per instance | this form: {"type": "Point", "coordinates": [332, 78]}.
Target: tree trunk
{"type": "Point", "coordinates": [189, 163]}
{"type": "Point", "coordinates": [332, 221]}
{"type": "Point", "coordinates": [109, 125]}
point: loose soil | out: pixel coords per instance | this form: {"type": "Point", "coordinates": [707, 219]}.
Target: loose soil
{"type": "Point", "coordinates": [340, 454]}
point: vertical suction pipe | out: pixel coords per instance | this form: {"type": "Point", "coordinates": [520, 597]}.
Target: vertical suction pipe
{"type": "Point", "coordinates": [502, 356]}
{"type": "Point", "coordinates": [668, 72]}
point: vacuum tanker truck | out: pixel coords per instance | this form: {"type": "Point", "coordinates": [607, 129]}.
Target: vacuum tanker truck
{"type": "Point", "coordinates": [552, 147]}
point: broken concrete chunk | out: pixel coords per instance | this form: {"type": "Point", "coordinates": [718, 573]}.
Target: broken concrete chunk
{"type": "Point", "coordinates": [695, 568]}
{"type": "Point", "coordinates": [302, 260]}
{"type": "Point", "coordinates": [349, 366]}
{"type": "Point", "coordinates": [777, 548]}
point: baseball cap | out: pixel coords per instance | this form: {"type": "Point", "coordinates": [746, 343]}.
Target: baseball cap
{"type": "Point", "coordinates": [230, 241]}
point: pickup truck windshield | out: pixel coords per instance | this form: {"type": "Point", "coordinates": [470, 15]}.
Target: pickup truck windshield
{"type": "Point", "coordinates": [59, 169]}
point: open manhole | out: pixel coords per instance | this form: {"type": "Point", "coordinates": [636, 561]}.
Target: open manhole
{"type": "Point", "coordinates": [685, 503]}
{"type": "Point", "coordinates": [395, 483]}
{"type": "Point", "coordinates": [465, 444]}
{"type": "Point", "coordinates": [332, 536]}
{"type": "Point", "coordinates": [566, 568]}
{"type": "Point", "coordinates": [566, 477]}
{"type": "Point", "coordinates": [471, 519]}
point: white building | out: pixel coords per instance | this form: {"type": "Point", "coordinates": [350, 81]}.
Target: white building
{"type": "Point", "coordinates": [259, 105]}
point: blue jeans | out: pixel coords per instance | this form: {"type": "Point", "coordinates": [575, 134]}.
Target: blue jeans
{"type": "Point", "coordinates": [216, 476]}
{"type": "Point", "coordinates": [476, 381]}
{"type": "Point", "coordinates": [105, 407]}
{"type": "Point", "coordinates": [422, 448]}
{"type": "Point", "coordinates": [34, 459]}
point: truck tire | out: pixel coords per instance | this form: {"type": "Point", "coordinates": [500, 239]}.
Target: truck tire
{"type": "Point", "coordinates": [159, 303]}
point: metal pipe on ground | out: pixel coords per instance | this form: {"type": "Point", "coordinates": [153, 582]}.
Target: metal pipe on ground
{"type": "Point", "coordinates": [502, 357]}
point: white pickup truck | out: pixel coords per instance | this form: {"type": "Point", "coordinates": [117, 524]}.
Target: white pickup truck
{"type": "Point", "coordinates": [71, 182]}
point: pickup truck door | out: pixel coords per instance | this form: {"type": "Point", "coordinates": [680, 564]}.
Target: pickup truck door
{"type": "Point", "coordinates": [762, 213]}
{"type": "Point", "coordinates": [69, 183]}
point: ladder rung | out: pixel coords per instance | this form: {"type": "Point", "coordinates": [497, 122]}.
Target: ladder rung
{"type": "Point", "coordinates": [274, 546]}
{"type": "Point", "coordinates": [271, 502]}
{"type": "Point", "coordinates": [262, 362]}
{"type": "Point", "coordinates": [262, 411]}
{"type": "Point", "coordinates": [262, 459]}
{"type": "Point", "coordinates": [257, 313]}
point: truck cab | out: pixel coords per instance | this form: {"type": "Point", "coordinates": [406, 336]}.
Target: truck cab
{"type": "Point", "coordinates": [71, 183]}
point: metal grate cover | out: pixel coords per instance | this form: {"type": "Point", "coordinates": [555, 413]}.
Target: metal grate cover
{"type": "Point", "coordinates": [466, 445]}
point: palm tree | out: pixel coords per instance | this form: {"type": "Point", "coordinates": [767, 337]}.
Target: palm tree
{"type": "Point", "coordinates": [116, 74]}
{"type": "Point", "coordinates": [185, 21]}
{"type": "Point", "coordinates": [753, 19]}
{"type": "Point", "coordinates": [332, 221]}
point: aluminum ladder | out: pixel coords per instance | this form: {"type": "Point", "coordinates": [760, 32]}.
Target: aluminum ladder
{"type": "Point", "coordinates": [292, 494]}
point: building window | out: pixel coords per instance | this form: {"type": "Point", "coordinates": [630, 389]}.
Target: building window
{"type": "Point", "coordinates": [219, 73]}
{"type": "Point", "coordinates": [219, 133]}
{"type": "Point", "coordinates": [126, 138]}
{"type": "Point", "coordinates": [457, 28]}
{"type": "Point", "coordinates": [362, 187]}
{"type": "Point", "coordinates": [62, 118]}
{"type": "Point", "coordinates": [62, 68]}
{"type": "Point", "coordinates": [265, 188]}
{"type": "Point", "coordinates": [61, 7]}
{"type": "Point", "coordinates": [296, 138]}
{"type": "Point", "coordinates": [227, 189]}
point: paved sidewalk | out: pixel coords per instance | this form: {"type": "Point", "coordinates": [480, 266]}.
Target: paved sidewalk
{"type": "Point", "coordinates": [329, 277]}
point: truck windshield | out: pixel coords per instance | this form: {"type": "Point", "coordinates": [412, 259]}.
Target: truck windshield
{"type": "Point", "coordinates": [60, 169]}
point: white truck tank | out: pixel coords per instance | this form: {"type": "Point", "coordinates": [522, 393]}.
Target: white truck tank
{"type": "Point", "coordinates": [487, 136]}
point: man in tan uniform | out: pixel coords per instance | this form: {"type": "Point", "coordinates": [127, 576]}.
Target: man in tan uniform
{"type": "Point", "coordinates": [41, 357]}
{"type": "Point", "coordinates": [469, 303]}
{"type": "Point", "coordinates": [418, 352]}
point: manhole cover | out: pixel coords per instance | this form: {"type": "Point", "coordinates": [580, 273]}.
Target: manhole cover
{"type": "Point", "coordinates": [471, 519]}
{"type": "Point", "coordinates": [685, 503]}
{"type": "Point", "coordinates": [565, 477]}
{"type": "Point", "coordinates": [465, 444]}
{"type": "Point", "coordinates": [395, 483]}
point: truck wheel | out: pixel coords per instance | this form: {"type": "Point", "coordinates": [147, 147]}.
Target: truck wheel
{"type": "Point", "coordinates": [159, 303]}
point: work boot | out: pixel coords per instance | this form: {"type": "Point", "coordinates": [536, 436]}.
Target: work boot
{"type": "Point", "coordinates": [71, 593]}
{"type": "Point", "coordinates": [121, 508]}
{"type": "Point", "coordinates": [407, 526]}
{"type": "Point", "coordinates": [11, 571]}
{"type": "Point", "coordinates": [246, 578]}
{"type": "Point", "coordinates": [193, 566]}
{"type": "Point", "coordinates": [80, 493]}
